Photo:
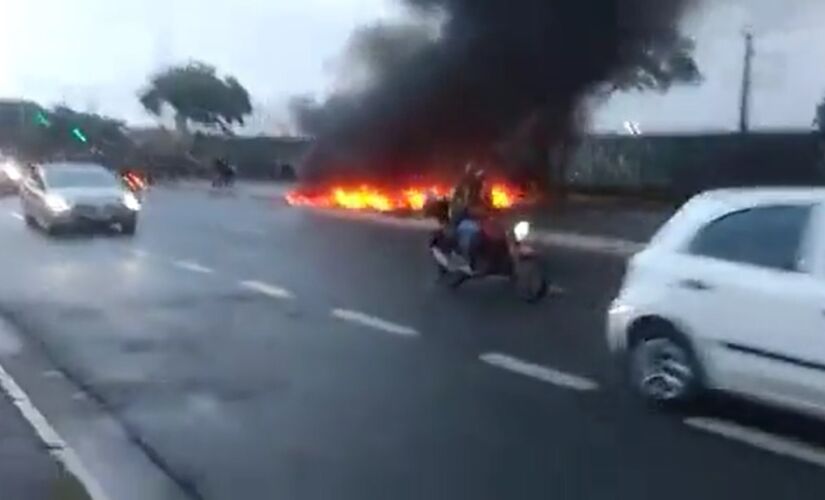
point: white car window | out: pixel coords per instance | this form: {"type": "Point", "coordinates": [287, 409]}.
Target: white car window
{"type": "Point", "coordinates": [769, 237]}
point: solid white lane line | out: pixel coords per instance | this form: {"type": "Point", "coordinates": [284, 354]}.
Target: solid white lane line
{"type": "Point", "coordinates": [193, 266]}
{"type": "Point", "coordinates": [17, 215]}
{"type": "Point", "coordinates": [58, 448]}
{"type": "Point", "coordinates": [543, 373]}
{"type": "Point", "coordinates": [574, 241]}
{"type": "Point", "coordinates": [373, 322]}
{"type": "Point", "coordinates": [267, 289]}
{"type": "Point", "coordinates": [778, 445]}
{"type": "Point", "coordinates": [586, 242]}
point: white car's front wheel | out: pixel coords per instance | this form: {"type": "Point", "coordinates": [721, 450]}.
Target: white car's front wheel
{"type": "Point", "coordinates": [663, 370]}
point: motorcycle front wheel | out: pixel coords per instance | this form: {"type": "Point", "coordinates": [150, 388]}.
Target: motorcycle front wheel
{"type": "Point", "coordinates": [529, 280]}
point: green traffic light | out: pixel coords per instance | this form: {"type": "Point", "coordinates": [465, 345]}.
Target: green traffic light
{"type": "Point", "coordinates": [41, 119]}
{"type": "Point", "coordinates": [79, 135]}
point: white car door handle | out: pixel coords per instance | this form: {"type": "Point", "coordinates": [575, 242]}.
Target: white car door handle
{"type": "Point", "coordinates": [695, 285]}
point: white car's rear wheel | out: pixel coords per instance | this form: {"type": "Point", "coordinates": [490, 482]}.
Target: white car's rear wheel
{"type": "Point", "coordinates": [664, 371]}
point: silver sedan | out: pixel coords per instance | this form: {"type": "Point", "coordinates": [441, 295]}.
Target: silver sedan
{"type": "Point", "coordinates": [58, 196]}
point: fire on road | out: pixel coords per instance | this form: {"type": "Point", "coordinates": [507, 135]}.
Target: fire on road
{"type": "Point", "coordinates": [383, 199]}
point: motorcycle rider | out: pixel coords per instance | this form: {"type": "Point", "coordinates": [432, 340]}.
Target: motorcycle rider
{"type": "Point", "coordinates": [224, 171]}
{"type": "Point", "coordinates": [469, 207]}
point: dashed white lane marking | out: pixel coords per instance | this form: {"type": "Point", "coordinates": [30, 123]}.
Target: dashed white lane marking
{"type": "Point", "coordinates": [141, 254]}
{"type": "Point", "coordinates": [58, 448]}
{"type": "Point", "coordinates": [52, 374]}
{"type": "Point", "coordinates": [193, 266]}
{"type": "Point", "coordinates": [17, 215]}
{"type": "Point", "coordinates": [373, 322]}
{"type": "Point", "coordinates": [543, 373]}
{"type": "Point", "coordinates": [251, 231]}
{"type": "Point", "coordinates": [267, 289]}
{"type": "Point", "coordinates": [769, 442]}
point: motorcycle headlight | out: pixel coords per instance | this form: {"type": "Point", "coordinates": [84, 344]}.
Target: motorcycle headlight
{"type": "Point", "coordinates": [521, 230]}
{"type": "Point", "coordinates": [131, 202]}
{"type": "Point", "coordinates": [57, 204]}
{"type": "Point", "coordinates": [12, 171]}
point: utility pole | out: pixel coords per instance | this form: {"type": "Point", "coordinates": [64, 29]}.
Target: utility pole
{"type": "Point", "coordinates": [747, 67]}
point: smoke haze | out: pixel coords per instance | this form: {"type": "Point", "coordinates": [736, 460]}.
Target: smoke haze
{"type": "Point", "coordinates": [465, 75]}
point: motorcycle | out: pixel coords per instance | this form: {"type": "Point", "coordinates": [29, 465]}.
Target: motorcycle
{"type": "Point", "coordinates": [501, 252]}
{"type": "Point", "coordinates": [223, 180]}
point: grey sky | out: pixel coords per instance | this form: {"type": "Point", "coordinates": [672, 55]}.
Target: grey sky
{"type": "Point", "coordinates": [95, 54]}
{"type": "Point", "coordinates": [789, 78]}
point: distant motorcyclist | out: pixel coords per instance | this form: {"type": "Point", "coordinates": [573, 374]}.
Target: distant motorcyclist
{"type": "Point", "coordinates": [225, 174]}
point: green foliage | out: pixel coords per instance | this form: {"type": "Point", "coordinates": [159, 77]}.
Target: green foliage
{"type": "Point", "coordinates": [197, 94]}
{"type": "Point", "coordinates": [657, 64]}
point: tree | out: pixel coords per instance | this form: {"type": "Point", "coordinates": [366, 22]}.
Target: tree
{"type": "Point", "coordinates": [657, 64]}
{"type": "Point", "coordinates": [197, 94]}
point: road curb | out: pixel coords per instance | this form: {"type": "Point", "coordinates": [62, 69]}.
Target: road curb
{"type": "Point", "coordinates": [574, 241]}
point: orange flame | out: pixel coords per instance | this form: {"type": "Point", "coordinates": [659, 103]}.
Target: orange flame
{"type": "Point", "coordinates": [365, 197]}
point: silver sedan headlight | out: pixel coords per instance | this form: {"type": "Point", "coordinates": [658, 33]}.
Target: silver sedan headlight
{"type": "Point", "coordinates": [57, 204]}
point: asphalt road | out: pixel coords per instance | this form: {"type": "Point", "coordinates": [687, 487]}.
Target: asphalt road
{"type": "Point", "coordinates": [250, 350]}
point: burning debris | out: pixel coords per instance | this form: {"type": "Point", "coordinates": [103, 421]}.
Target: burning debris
{"type": "Point", "coordinates": [465, 78]}
{"type": "Point", "coordinates": [363, 197]}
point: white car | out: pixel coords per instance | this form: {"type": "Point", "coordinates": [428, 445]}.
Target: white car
{"type": "Point", "coordinates": [69, 195]}
{"type": "Point", "coordinates": [729, 295]}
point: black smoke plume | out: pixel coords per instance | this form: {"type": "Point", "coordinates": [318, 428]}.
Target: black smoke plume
{"type": "Point", "coordinates": [436, 95]}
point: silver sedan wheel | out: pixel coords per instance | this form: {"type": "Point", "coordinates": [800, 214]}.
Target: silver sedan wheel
{"type": "Point", "coordinates": [662, 370]}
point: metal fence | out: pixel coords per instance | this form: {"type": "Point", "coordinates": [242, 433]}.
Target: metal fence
{"type": "Point", "coordinates": [683, 165]}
